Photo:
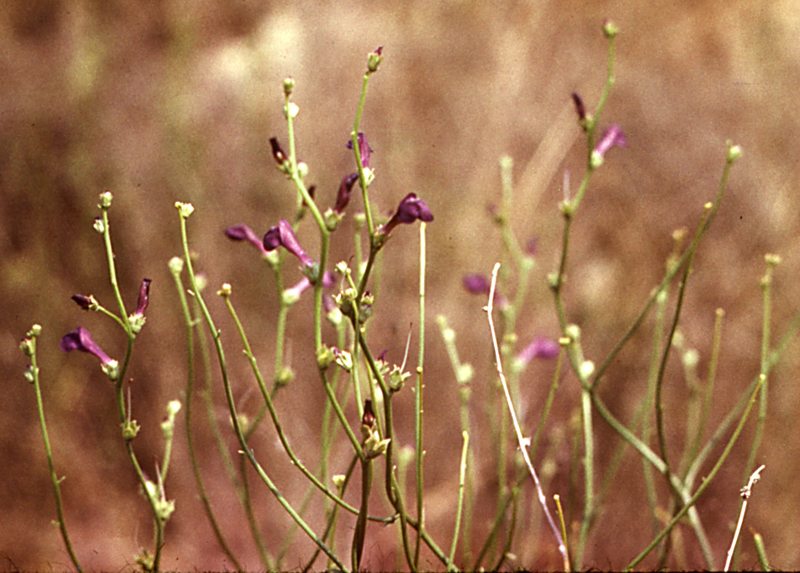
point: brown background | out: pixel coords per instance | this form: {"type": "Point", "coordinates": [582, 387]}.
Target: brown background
{"type": "Point", "coordinates": [165, 101]}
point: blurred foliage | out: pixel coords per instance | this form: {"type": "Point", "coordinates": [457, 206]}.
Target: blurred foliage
{"type": "Point", "coordinates": [173, 100]}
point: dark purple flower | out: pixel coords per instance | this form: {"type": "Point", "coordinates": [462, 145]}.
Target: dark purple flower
{"type": "Point", "coordinates": [410, 209]}
{"type": "Point", "coordinates": [84, 301]}
{"type": "Point", "coordinates": [345, 190]}
{"type": "Point", "coordinates": [476, 283]}
{"type": "Point", "coordinates": [282, 235]}
{"type": "Point", "coordinates": [580, 108]}
{"type": "Point", "coordinates": [612, 137]}
{"type": "Point", "coordinates": [144, 297]}
{"type": "Point", "coordinates": [364, 150]}
{"type": "Point", "coordinates": [277, 151]}
{"type": "Point", "coordinates": [245, 233]}
{"type": "Point", "coordinates": [80, 339]}
{"type": "Point", "coordinates": [541, 347]}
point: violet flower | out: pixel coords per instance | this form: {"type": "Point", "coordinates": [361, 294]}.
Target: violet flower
{"type": "Point", "coordinates": [144, 297]}
{"type": "Point", "coordinates": [612, 137]}
{"type": "Point", "coordinates": [540, 347]}
{"type": "Point", "coordinates": [137, 319]}
{"type": "Point", "coordinates": [80, 339]}
{"type": "Point", "coordinates": [282, 235]}
{"type": "Point", "coordinates": [345, 190]}
{"type": "Point", "coordinates": [245, 233]}
{"type": "Point", "coordinates": [477, 283]}
{"type": "Point", "coordinates": [410, 209]}
{"type": "Point", "coordinates": [364, 150]}
{"type": "Point", "coordinates": [86, 302]}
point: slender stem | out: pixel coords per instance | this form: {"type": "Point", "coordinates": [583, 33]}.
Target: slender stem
{"type": "Point", "coordinates": [745, 493]}
{"type": "Point", "coordinates": [54, 479]}
{"type": "Point", "coordinates": [588, 476]}
{"type": "Point", "coordinates": [418, 398]}
{"type": "Point", "coordinates": [215, 333]}
{"type": "Point", "coordinates": [520, 439]}
{"type": "Point", "coordinates": [248, 352]}
{"type": "Point", "coordinates": [709, 213]}
{"type": "Point", "coordinates": [706, 482]}
{"type": "Point", "coordinates": [198, 476]}
{"type": "Point", "coordinates": [561, 521]}
{"type": "Point", "coordinates": [360, 533]}
{"type": "Point", "coordinates": [158, 522]}
{"type": "Point", "coordinates": [462, 474]}
{"type": "Point", "coordinates": [761, 551]}
{"type": "Point", "coordinates": [362, 179]}
{"type": "Point", "coordinates": [512, 528]}
{"type": "Point", "coordinates": [238, 480]}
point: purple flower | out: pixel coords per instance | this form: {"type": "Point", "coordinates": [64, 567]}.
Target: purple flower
{"type": "Point", "coordinates": [84, 301]}
{"type": "Point", "coordinates": [476, 283]}
{"type": "Point", "coordinates": [345, 190]}
{"type": "Point", "coordinates": [541, 347]}
{"type": "Point", "coordinates": [277, 151]}
{"type": "Point", "coordinates": [144, 297]}
{"type": "Point", "coordinates": [245, 233]}
{"type": "Point", "coordinates": [410, 209]}
{"type": "Point", "coordinates": [364, 150]}
{"type": "Point", "coordinates": [282, 235]}
{"type": "Point", "coordinates": [612, 137]}
{"type": "Point", "coordinates": [80, 339]}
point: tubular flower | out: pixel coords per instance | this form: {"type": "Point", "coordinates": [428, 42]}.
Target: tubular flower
{"type": "Point", "coordinates": [410, 209]}
{"type": "Point", "coordinates": [364, 150]}
{"type": "Point", "coordinates": [245, 233]}
{"type": "Point", "coordinates": [85, 301]}
{"type": "Point", "coordinates": [345, 190]}
{"type": "Point", "coordinates": [80, 339]}
{"type": "Point", "coordinates": [612, 137]}
{"type": "Point", "coordinates": [137, 319]}
{"type": "Point", "coordinates": [282, 235]}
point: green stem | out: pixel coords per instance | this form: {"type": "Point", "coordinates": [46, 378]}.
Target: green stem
{"type": "Point", "coordinates": [418, 398]}
{"type": "Point", "coordinates": [198, 477]}
{"type": "Point", "coordinates": [158, 523]}
{"type": "Point", "coordinates": [215, 333]}
{"type": "Point", "coordinates": [361, 522]}
{"type": "Point", "coordinates": [54, 479]}
{"type": "Point", "coordinates": [248, 352]}
{"type": "Point", "coordinates": [706, 482]}
{"type": "Point", "coordinates": [462, 474]}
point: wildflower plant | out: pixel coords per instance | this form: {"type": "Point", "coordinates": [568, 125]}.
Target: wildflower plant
{"type": "Point", "coordinates": [371, 486]}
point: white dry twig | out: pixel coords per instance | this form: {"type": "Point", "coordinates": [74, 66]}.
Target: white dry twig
{"type": "Point", "coordinates": [521, 440]}
{"type": "Point", "coordinates": [745, 493]}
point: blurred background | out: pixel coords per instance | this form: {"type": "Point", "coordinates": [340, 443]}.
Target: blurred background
{"type": "Point", "coordinates": [171, 100]}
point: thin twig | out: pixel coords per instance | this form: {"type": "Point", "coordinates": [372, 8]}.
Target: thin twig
{"type": "Point", "coordinates": [745, 493]}
{"type": "Point", "coordinates": [562, 548]}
